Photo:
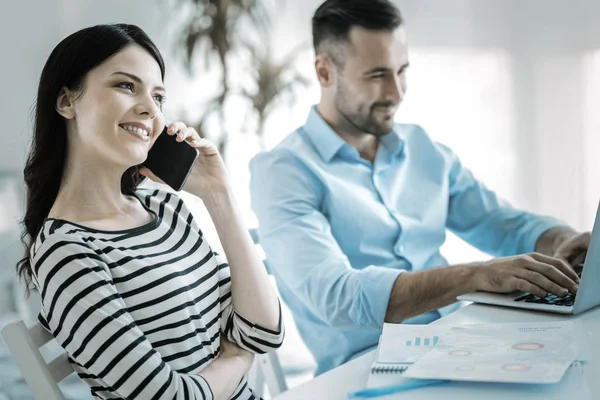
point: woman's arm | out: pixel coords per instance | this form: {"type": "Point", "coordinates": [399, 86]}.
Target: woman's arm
{"type": "Point", "coordinates": [253, 296]}
{"type": "Point", "coordinates": [221, 374]}
{"type": "Point", "coordinates": [252, 293]}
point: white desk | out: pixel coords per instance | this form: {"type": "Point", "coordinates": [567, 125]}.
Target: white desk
{"type": "Point", "coordinates": [335, 384]}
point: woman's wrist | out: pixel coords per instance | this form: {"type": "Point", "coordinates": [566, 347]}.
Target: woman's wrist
{"type": "Point", "coordinates": [218, 198]}
{"type": "Point", "coordinates": [211, 193]}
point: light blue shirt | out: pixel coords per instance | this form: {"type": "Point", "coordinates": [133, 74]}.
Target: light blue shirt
{"type": "Point", "coordinates": [338, 230]}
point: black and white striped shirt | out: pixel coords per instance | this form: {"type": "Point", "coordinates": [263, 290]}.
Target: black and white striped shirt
{"type": "Point", "coordinates": [140, 311]}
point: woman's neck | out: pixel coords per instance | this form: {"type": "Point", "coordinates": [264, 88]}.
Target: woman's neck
{"type": "Point", "coordinates": [90, 191]}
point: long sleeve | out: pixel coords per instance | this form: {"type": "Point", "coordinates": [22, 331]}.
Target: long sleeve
{"type": "Point", "coordinates": [87, 316]}
{"type": "Point", "coordinates": [297, 238]}
{"type": "Point", "coordinates": [238, 329]}
{"type": "Point", "coordinates": [478, 216]}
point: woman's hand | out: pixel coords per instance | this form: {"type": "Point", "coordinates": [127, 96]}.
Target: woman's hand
{"type": "Point", "coordinates": [224, 373]}
{"type": "Point", "coordinates": [229, 349]}
{"type": "Point", "coordinates": [209, 174]}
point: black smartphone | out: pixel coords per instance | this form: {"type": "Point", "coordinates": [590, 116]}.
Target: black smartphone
{"type": "Point", "coordinates": [170, 160]}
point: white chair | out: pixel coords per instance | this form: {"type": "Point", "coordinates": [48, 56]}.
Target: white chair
{"type": "Point", "coordinates": [41, 377]}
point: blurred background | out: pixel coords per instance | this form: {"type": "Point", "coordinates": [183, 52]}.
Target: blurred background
{"type": "Point", "coordinates": [513, 86]}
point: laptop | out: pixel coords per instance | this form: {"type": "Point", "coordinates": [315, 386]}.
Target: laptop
{"type": "Point", "coordinates": [587, 296]}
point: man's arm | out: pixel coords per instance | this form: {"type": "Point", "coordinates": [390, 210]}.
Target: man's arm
{"type": "Point", "coordinates": [297, 239]}
{"type": "Point", "coordinates": [415, 293]}
{"type": "Point", "coordinates": [480, 217]}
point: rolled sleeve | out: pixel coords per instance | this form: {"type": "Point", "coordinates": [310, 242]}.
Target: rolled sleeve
{"type": "Point", "coordinates": [238, 329]}
{"type": "Point", "coordinates": [376, 285]}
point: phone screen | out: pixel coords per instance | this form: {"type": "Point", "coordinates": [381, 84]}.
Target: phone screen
{"type": "Point", "coordinates": [170, 160]}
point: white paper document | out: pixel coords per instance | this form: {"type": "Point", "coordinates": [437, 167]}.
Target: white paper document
{"type": "Point", "coordinates": [516, 353]}
{"type": "Point", "coordinates": [405, 344]}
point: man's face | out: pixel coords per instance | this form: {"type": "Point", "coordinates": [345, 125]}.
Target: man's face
{"type": "Point", "coordinates": [372, 80]}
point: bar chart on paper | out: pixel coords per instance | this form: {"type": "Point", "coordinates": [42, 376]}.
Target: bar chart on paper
{"type": "Point", "coordinates": [404, 343]}
{"type": "Point", "coordinates": [421, 341]}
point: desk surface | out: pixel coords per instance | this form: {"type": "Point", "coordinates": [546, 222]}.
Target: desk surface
{"type": "Point", "coordinates": [335, 384]}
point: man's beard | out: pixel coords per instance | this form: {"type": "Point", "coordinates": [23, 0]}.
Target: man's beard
{"type": "Point", "coordinates": [360, 116]}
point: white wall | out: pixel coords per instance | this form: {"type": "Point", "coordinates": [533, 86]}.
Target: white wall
{"type": "Point", "coordinates": [526, 74]}
{"type": "Point", "coordinates": [26, 39]}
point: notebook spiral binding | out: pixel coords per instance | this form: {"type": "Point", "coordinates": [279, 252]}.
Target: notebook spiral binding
{"type": "Point", "coordinates": [388, 369]}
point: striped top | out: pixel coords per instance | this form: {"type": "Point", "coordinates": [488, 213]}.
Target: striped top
{"type": "Point", "coordinates": [140, 311]}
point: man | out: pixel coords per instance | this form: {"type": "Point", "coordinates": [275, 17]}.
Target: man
{"type": "Point", "coordinates": [353, 208]}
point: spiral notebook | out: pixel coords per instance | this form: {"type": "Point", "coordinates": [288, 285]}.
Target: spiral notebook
{"type": "Point", "coordinates": [534, 353]}
{"type": "Point", "coordinates": [399, 347]}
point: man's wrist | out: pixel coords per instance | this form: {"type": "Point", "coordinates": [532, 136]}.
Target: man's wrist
{"type": "Point", "coordinates": [470, 276]}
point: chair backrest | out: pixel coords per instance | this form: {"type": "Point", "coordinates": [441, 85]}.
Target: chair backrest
{"type": "Point", "coordinates": [41, 377]}
{"type": "Point", "coordinates": [269, 364]}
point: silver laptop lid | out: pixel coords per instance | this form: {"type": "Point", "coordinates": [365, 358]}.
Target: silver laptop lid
{"type": "Point", "coordinates": [588, 295]}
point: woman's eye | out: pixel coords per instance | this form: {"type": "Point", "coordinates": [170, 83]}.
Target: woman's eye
{"type": "Point", "coordinates": [160, 99]}
{"type": "Point", "coordinates": [126, 85]}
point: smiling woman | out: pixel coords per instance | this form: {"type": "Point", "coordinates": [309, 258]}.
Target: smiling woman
{"type": "Point", "coordinates": [129, 286]}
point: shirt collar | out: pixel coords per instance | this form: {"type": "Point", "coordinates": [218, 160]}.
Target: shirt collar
{"type": "Point", "coordinates": [323, 138]}
{"type": "Point", "coordinates": [328, 143]}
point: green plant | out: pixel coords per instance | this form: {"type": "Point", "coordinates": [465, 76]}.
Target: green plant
{"type": "Point", "coordinates": [221, 31]}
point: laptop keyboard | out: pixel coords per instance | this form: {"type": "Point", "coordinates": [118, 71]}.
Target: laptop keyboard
{"type": "Point", "coordinates": [551, 299]}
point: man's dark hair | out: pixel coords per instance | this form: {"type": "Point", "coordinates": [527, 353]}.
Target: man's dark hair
{"type": "Point", "coordinates": [333, 19]}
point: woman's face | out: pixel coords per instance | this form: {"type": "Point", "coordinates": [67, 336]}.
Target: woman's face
{"type": "Point", "coordinates": [118, 115]}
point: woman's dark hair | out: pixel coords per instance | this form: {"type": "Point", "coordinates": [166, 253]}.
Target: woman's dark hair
{"type": "Point", "coordinates": [67, 66]}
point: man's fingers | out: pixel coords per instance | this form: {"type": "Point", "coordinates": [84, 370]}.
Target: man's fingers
{"type": "Point", "coordinates": [579, 259]}
{"type": "Point", "coordinates": [526, 286]}
{"type": "Point", "coordinates": [542, 281]}
{"type": "Point", "coordinates": [573, 248]}
{"type": "Point", "coordinates": [560, 265]}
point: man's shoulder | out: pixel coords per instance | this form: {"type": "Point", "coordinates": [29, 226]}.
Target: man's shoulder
{"type": "Point", "coordinates": [410, 132]}
{"type": "Point", "coordinates": [295, 149]}
{"type": "Point", "coordinates": [417, 139]}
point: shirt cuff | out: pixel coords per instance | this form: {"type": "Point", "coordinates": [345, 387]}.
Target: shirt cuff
{"type": "Point", "coordinates": [376, 284]}
{"type": "Point", "coordinates": [257, 338]}
{"type": "Point", "coordinates": [540, 225]}
{"type": "Point", "coordinates": [204, 391]}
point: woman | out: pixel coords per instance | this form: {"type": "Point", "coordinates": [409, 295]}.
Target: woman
{"type": "Point", "coordinates": [129, 287]}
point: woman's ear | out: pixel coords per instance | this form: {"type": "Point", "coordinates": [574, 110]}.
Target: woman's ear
{"type": "Point", "coordinates": [64, 103]}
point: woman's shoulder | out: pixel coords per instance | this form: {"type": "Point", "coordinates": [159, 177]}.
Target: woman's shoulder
{"type": "Point", "coordinates": [154, 197]}
{"type": "Point", "coordinates": [56, 239]}
{"type": "Point", "coordinates": [166, 204]}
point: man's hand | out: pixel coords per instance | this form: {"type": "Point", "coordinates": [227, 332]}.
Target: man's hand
{"type": "Point", "coordinates": [573, 250]}
{"type": "Point", "coordinates": [565, 244]}
{"type": "Point", "coordinates": [534, 273]}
